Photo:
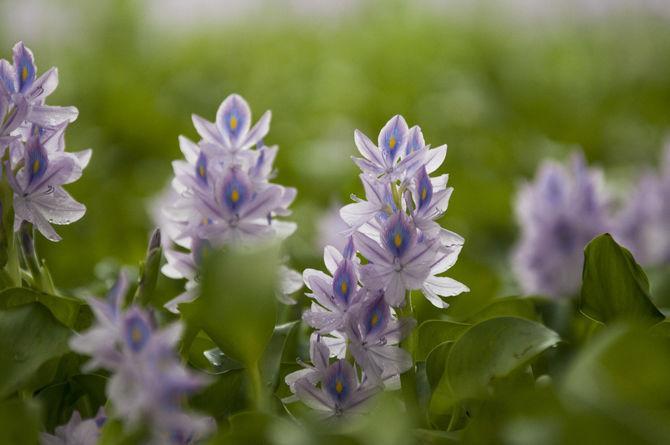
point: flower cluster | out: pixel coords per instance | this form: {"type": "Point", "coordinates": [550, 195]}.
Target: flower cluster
{"type": "Point", "coordinates": [77, 431]}
{"type": "Point", "coordinates": [221, 192]}
{"type": "Point", "coordinates": [32, 146]}
{"type": "Point", "coordinates": [559, 213]}
{"type": "Point", "coordinates": [642, 224]}
{"type": "Point", "coordinates": [354, 309]}
{"type": "Point", "coordinates": [148, 381]}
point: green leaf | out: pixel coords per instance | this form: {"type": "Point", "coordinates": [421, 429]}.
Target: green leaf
{"type": "Point", "coordinates": [225, 396]}
{"type": "Point", "coordinates": [436, 362]}
{"type": "Point", "coordinates": [237, 306]}
{"type": "Point", "coordinates": [19, 422]}
{"type": "Point", "coordinates": [522, 307]}
{"type": "Point", "coordinates": [614, 286]}
{"type": "Point", "coordinates": [65, 309]}
{"type": "Point", "coordinates": [492, 350]}
{"type": "Point", "coordinates": [29, 337]}
{"type": "Point", "coordinates": [271, 361]}
{"type": "Point", "coordinates": [434, 332]}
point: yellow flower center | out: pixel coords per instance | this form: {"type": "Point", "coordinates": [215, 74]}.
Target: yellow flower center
{"type": "Point", "coordinates": [339, 387]}
{"type": "Point", "coordinates": [374, 320]}
{"type": "Point", "coordinates": [36, 165]}
{"type": "Point", "coordinates": [392, 142]}
{"type": "Point", "coordinates": [397, 240]}
{"type": "Point", "coordinates": [233, 122]}
{"type": "Point", "coordinates": [136, 335]}
{"type": "Point", "coordinates": [343, 287]}
{"type": "Point", "coordinates": [201, 171]}
{"type": "Point", "coordinates": [24, 73]}
{"type": "Point", "coordinates": [235, 195]}
{"type": "Point", "coordinates": [424, 192]}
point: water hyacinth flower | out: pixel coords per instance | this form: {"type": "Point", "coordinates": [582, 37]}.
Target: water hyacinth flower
{"type": "Point", "coordinates": [223, 194]}
{"type": "Point", "coordinates": [559, 213]}
{"type": "Point", "coordinates": [339, 393]}
{"type": "Point", "coordinates": [319, 354]}
{"type": "Point", "coordinates": [642, 223]}
{"type": "Point", "coordinates": [39, 197]}
{"type": "Point", "coordinates": [334, 297]}
{"type": "Point", "coordinates": [20, 82]}
{"type": "Point", "coordinates": [77, 431]}
{"type": "Point", "coordinates": [34, 133]}
{"type": "Point", "coordinates": [148, 382]}
{"type": "Point", "coordinates": [374, 339]}
{"type": "Point", "coordinates": [395, 230]}
{"type": "Point", "coordinates": [401, 263]}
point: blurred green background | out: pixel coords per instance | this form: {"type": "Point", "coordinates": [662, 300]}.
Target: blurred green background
{"type": "Point", "coordinates": [503, 85]}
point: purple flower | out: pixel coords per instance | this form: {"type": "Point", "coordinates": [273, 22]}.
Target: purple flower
{"type": "Point", "coordinates": [232, 131]}
{"type": "Point", "coordinates": [430, 202]}
{"type": "Point", "coordinates": [331, 229]}
{"type": "Point", "coordinates": [402, 262]}
{"type": "Point", "coordinates": [13, 112]}
{"type": "Point", "coordinates": [319, 354]}
{"type": "Point", "coordinates": [378, 204]}
{"type": "Point", "coordinates": [559, 213]}
{"type": "Point", "coordinates": [642, 223]}
{"type": "Point", "coordinates": [339, 392]}
{"type": "Point", "coordinates": [374, 338]}
{"type": "Point", "coordinates": [20, 82]}
{"type": "Point", "coordinates": [77, 431]}
{"type": "Point", "coordinates": [334, 297]}
{"type": "Point", "coordinates": [222, 194]}
{"type": "Point", "coordinates": [436, 287]}
{"type": "Point", "coordinates": [39, 197]}
{"type": "Point", "coordinates": [148, 382]}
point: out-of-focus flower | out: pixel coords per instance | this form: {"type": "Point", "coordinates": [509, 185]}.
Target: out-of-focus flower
{"type": "Point", "coordinates": [642, 224]}
{"type": "Point", "coordinates": [331, 229]}
{"type": "Point", "coordinates": [559, 213]}
{"type": "Point", "coordinates": [77, 431]}
{"type": "Point", "coordinates": [148, 382]}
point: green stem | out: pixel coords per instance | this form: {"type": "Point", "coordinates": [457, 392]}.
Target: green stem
{"type": "Point", "coordinates": [260, 398]}
{"type": "Point", "coordinates": [408, 379]}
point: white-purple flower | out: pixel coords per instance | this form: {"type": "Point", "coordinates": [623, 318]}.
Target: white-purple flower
{"type": "Point", "coordinates": [339, 393]}
{"type": "Point", "coordinates": [374, 337]}
{"type": "Point", "coordinates": [39, 197]}
{"type": "Point", "coordinates": [77, 431]}
{"type": "Point", "coordinates": [20, 82]}
{"type": "Point", "coordinates": [403, 247]}
{"type": "Point", "coordinates": [334, 297]}
{"type": "Point", "coordinates": [34, 134]}
{"type": "Point", "coordinates": [223, 194]}
{"type": "Point", "coordinates": [401, 262]}
{"type": "Point", "coordinates": [148, 381]}
{"type": "Point", "coordinates": [642, 223]}
{"type": "Point", "coordinates": [559, 213]}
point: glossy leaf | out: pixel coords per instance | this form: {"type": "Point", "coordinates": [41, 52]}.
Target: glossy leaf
{"type": "Point", "coordinates": [431, 333]}
{"type": "Point", "coordinates": [237, 306]}
{"type": "Point", "coordinates": [614, 286]}
{"type": "Point", "coordinates": [65, 309]}
{"type": "Point", "coordinates": [436, 362]}
{"type": "Point", "coordinates": [490, 350]}
{"type": "Point", "coordinates": [29, 337]}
